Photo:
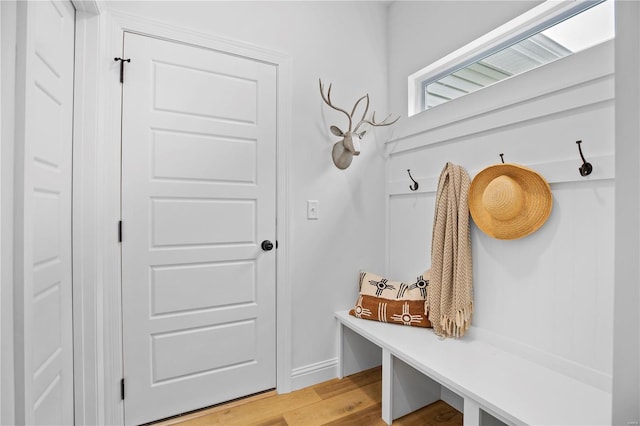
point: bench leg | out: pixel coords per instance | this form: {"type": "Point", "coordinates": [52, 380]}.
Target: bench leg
{"type": "Point", "coordinates": [387, 386]}
{"type": "Point", "coordinates": [404, 389]}
{"type": "Point", "coordinates": [341, 359]}
{"type": "Point", "coordinates": [471, 415]}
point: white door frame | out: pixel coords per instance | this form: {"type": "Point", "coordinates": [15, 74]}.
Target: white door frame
{"type": "Point", "coordinates": [8, 18]}
{"type": "Point", "coordinates": [97, 268]}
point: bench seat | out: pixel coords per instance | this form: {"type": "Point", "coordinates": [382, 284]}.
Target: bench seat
{"type": "Point", "coordinates": [506, 386]}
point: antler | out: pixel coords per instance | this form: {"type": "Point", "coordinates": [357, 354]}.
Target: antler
{"type": "Point", "coordinates": [327, 100]}
{"type": "Point", "coordinates": [366, 109]}
{"type": "Point", "coordinates": [372, 122]}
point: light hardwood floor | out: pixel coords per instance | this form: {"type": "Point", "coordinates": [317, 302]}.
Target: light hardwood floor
{"type": "Point", "coordinates": [354, 400]}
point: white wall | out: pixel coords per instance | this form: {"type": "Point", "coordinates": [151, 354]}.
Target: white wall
{"type": "Point", "coordinates": [548, 296]}
{"type": "Point", "coordinates": [344, 43]}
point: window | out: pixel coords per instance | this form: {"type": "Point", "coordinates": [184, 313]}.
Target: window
{"type": "Point", "coordinates": [544, 34]}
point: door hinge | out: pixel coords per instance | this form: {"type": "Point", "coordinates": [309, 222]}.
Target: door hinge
{"type": "Point", "coordinates": [122, 389]}
{"type": "Point", "coordinates": [122, 61]}
{"type": "Point", "coordinates": [120, 231]}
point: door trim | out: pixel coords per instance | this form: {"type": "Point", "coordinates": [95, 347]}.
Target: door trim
{"type": "Point", "coordinates": [97, 205]}
{"type": "Point", "coordinates": [8, 19]}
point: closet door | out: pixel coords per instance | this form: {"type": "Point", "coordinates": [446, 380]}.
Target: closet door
{"type": "Point", "coordinates": [43, 322]}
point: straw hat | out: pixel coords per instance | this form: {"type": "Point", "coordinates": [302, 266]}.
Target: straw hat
{"type": "Point", "coordinates": [509, 201]}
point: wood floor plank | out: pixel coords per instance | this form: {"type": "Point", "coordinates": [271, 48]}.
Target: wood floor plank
{"type": "Point", "coordinates": [259, 412]}
{"type": "Point", "coordinates": [185, 418]}
{"type": "Point", "coordinates": [335, 387]}
{"type": "Point", "coordinates": [370, 416]}
{"type": "Point", "coordinates": [276, 421]}
{"type": "Point", "coordinates": [328, 410]}
{"type": "Point", "coordinates": [437, 414]}
{"type": "Point", "coordinates": [352, 401]}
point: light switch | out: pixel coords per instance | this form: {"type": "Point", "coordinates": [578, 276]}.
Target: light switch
{"type": "Point", "coordinates": [313, 211]}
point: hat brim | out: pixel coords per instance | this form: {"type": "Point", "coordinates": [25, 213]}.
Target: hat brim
{"type": "Point", "coordinates": [536, 209]}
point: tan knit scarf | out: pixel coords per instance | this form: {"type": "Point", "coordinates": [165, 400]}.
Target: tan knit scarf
{"type": "Point", "coordinates": [450, 292]}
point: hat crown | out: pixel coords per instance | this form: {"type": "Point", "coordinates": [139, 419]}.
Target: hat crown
{"type": "Point", "coordinates": [503, 198]}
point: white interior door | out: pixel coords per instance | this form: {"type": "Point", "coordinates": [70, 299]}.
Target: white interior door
{"type": "Point", "coordinates": [44, 116]}
{"type": "Point", "coordinates": [198, 199]}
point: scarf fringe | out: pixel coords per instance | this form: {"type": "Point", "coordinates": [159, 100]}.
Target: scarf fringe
{"type": "Point", "coordinates": [453, 327]}
{"type": "Point", "coordinates": [456, 327]}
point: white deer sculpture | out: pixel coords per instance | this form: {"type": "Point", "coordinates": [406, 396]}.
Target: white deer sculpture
{"type": "Point", "coordinates": [344, 150]}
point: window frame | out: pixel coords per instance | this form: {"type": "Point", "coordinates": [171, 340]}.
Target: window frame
{"type": "Point", "coordinates": [529, 23]}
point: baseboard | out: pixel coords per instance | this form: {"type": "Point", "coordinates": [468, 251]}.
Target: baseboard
{"type": "Point", "coordinates": [313, 374]}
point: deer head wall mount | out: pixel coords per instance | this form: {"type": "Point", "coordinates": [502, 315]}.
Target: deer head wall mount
{"type": "Point", "coordinates": [344, 150]}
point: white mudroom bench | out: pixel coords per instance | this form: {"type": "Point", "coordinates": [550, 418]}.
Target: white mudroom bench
{"type": "Point", "coordinates": [495, 386]}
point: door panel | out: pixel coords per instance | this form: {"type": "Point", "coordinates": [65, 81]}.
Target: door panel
{"type": "Point", "coordinates": [198, 197]}
{"type": "Point", "coordinates": [183, 156]}
{"type": "Point", "coordinates": [180, 221]}
{"type": "Point", "coordinates": [43, 213]}
{"type": "Point", "coordinates": [239, 348]}
{"type": "Point", "coordinates": [235, 95]}
{"type": "Point", "coordinates": [201, 286]}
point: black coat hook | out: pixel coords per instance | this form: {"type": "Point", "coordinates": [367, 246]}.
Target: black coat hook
{"type": "Point", "coordinates": [415, 185]}
{"type": "Point", "coordinates": [586, 168]}
{"type": "Point", "coordinates": [502, 158]}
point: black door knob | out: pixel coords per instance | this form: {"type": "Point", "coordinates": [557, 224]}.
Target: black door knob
{"type": "Point", "coordinates": [267, 245]}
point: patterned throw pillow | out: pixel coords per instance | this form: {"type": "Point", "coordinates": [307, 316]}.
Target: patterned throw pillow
{"type": "Point", "coordinates": [392, 301]}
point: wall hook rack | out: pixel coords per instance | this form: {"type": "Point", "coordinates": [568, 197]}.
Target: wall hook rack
{"type": "Point", "coordinates": [586, 168]}
{"type": "Point", "coordinates": [502, 158]}
{"type": "Point", "coordinates": [414, 186]}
